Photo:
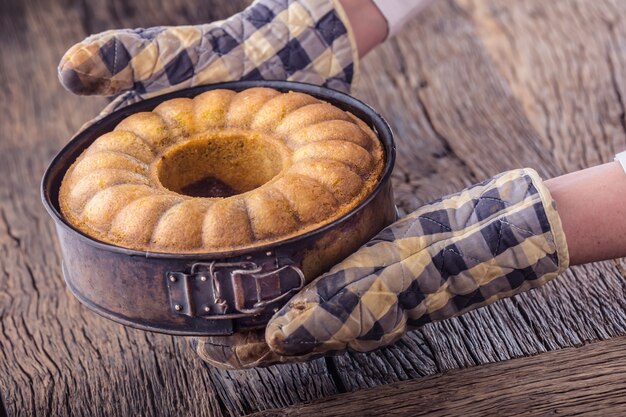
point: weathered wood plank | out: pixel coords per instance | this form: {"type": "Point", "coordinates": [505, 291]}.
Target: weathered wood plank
{"type": "Point", "coordinates": [471, 88]}
{"type": "Point", "coordinates": [590, 380]}
{"type": "Point", "coordinates": [564, 64]}
{"type": "Point", "coordinates": [243, 392]}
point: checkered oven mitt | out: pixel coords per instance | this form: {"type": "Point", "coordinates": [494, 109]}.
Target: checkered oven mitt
{"type": "Point", "coordinates": [305, 40]}
{"type": "Point", "coordinates": [490, 241]}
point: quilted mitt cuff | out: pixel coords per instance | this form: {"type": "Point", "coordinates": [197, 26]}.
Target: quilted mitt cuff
{"type": "Point", "coordinates": [307, 41]}
{"type": "Point", "coordinates": [490, 241]}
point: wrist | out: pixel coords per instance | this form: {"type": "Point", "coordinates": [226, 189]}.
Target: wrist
{"type": "Point", "coordinates": [368, 24]}
{"type": "Point", "coordinates": [592, 207]}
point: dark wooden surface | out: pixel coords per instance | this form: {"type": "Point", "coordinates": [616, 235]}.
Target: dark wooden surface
{"type": "Point", "coordinates": [572, 381]}
{"type": "Point", "coordinates": [470, 87]}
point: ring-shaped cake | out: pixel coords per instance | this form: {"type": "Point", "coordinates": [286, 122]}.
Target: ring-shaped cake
{"type": "Point", "coordinates": [222, 171]}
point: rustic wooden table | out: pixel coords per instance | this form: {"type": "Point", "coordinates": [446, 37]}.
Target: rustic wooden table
{"type": "Point", "coordinates": [471, 88]}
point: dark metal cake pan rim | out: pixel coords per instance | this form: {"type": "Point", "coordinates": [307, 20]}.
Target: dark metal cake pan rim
{"type": "Point", "coordinates": [383, 131]}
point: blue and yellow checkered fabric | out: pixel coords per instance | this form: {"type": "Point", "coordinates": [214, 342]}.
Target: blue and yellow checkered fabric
{"type": "Point", "coordinates": [491, 241]}
{"type": "Point", "coordinates": [304, 41]}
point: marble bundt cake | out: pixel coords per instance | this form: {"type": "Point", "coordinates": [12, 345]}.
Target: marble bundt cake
{"type": "Point", "coordinates": [222, 171]}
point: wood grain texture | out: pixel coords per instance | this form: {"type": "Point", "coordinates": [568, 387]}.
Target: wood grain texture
{"type": "Point", "coordinates": [471, 88]}
{"type": "Point", "coordinates": [575, 381]}
{"type": "Point", "coordinates": [56, 357]}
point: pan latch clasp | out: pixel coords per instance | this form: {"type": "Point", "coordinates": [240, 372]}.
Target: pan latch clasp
{"type": "Point", "coordinates": [227, 290]}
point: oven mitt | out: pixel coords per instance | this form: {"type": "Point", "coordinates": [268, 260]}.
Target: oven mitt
{"type": "Point", "coordinates": [307, 41]}
{"type": "Point", "coordinates": [488, 242]}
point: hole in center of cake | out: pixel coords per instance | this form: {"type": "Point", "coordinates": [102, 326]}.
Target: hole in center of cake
{"type": "Point", "coordinates": [219, 165]}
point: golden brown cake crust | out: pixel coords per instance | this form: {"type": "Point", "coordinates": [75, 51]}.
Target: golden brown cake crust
{"type": "Point", "coordinates": [292, 162]}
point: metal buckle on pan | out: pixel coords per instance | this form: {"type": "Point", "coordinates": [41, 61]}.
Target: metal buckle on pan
{"type": "Point", "coordinates": [206, 290]}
